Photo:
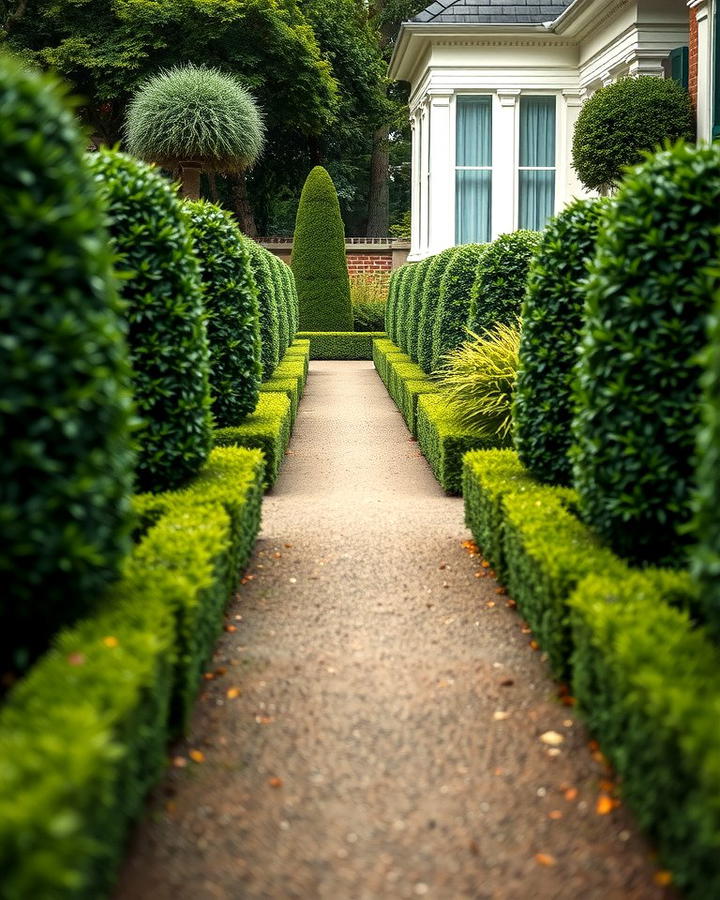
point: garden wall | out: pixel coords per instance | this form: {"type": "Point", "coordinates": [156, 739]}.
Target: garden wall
{"type": "Point", "coordinates": [364, 255]}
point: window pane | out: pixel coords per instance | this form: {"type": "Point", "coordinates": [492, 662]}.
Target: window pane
{"type": "Point", "coordinates": [537, 131]}
{"type": "Point", "coordinates": [472, 207]}
{"type": "Point", "coordinates": [537, 199]}
{"type": "Point", "coordinates": [474, 131]}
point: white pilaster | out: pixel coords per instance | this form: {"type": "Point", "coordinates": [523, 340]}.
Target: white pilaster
{"type": "Point", "coordinates": [414, 186]}
{"type": "Point", "coordinates": [705, 74]}
{"type": "Point", "coordinates": [441, 175]}
{"type": "Point", "coordinates": [424, 179]}
{"type": "Point", "coordinates": [505, 161]}
{"type": "Point", "coordinates": [568, 184]}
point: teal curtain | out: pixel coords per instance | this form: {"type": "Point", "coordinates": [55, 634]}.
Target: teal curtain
{"type": "Point", "coordinates": [537, 150]}
{"type": "Point", "coordinates": [473, 190]}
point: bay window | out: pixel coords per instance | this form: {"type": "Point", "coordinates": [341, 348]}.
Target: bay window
{"type": "Point", "coordinates": [473, 169]}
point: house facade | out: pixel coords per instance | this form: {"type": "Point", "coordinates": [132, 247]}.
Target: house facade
{"type": "Point", "coordinates": [704, 75]}
{"type": "Point", "coordinates": [496, 89]}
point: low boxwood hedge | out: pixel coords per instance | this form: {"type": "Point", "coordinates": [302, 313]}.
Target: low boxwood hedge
{"type": "Point", "coordinates": [267, 429]}
{"type": "Point", "coordinates": [341, 344]}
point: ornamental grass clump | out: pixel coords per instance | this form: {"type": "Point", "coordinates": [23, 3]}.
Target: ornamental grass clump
{"type": "Point", "coordinates": [453, 312]}
{"type": "Point", "coordinates": [499, 289]}
{"type": "Point", "coordinates": [621, 121]}
{"type": "Point", "coordinates": [196, 119]}
{"type": "Point", "coordinates": [552, 320]}
{"type": "Point", "coordinates": [318, 259]}
{"type": "Point", "coordinates": [66, 469]}
{"type": "Point", "coordinates": [638, 396]}
{"type": "Point", "coordinates": [478, 379]}
{"type": "Point", "coordinates": [161, 287]}
{"type": "Point", "coordinates": [369, 294]}
{"type": "Point", "coordinates": [231, 310]}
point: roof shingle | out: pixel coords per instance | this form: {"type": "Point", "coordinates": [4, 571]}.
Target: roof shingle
{"type": "Point", "coordinates": [492, 12]}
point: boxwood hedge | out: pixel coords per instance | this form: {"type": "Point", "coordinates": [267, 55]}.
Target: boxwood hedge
{"type": "Point", "coordinates": [453, 312]}
{"type": "Point", "coordinates": [429, 305]}
{"type": "Point", "coordinates": [163, 306]}
{"type": "Point", "coordinates": [638, 390]}
{"type": "Point", "coordinates": [66, 465]}
{"type": "Point", "coordinates": [269, 317]}
{"type": "Point", "coordinates": [231, 312]}
{"type": "Point", "coordinates": [552, 317]}
{"type": "Point", "coordinates": [414, 305]}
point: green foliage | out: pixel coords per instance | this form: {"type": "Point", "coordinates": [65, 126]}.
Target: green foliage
{"type": "Point", "coordinates": [706, 525]}
{"type": "Point", "coordinates": [81, 746]}
{"type": "Point", "coordinates": [649, 683]}
{"type": "Point", "coordinates": [638, 388]}
{"type": "Point", "coordinates": [341, 344]}
{"type": "Point", "coordinates": [397, 300]}
{"type": "Point", "coordinates": [392, 300]}
{"type": "Point", "coordinates": [429, 306]}
{"type": "Point", "coordinates": [195, 113]}
{"type": "Point", "coordinates": [289, 299]}
{"type": "Point", "coordinates": [318, 260]}
{"type": "Point", "coordinates": [444, 440]}
{"type": "Point", "coordinates": [65, 409]}
{"type": "Point", "coordinates": [267, 304]}
{"type": "Point", "coordinates": [499, 289]}
{"type": "Point", "coordinates": [267, 429]}
{"type": "Point", "coordinates": [369, 295]}
{"type": "Point", "coordinates": [231, 312]}
{"type": "Point", "coordinates": [453, 312]}
{"type": "Point", "coordinates": [163, 306]}
{"type": "Point", "coordinates": [287, 386]}
{"type": "Point", "coordinates": [624, 119]}
{"type": "Point", "coordinates": [552, 317]}
{"type": "Point", "coordinates": [283, 302]}
{"type": "Point", "coordinates": [478, 380]}
{"type": "Point", "coordinates": [413, 305]}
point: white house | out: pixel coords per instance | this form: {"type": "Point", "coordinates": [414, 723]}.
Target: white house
{"type": "Point", "coordinates": [496, 88]}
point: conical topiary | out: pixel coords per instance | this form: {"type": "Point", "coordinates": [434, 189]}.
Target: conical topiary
{"type": "Point", "coordinates": [318, 261]}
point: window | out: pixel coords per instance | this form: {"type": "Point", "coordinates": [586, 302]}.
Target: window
{"type": "Point", "coordinates": [679, 66]}
{"type": "Point", "coordinates": [537, 161]}
{"type": "Point", "coordinates": [473, 170]}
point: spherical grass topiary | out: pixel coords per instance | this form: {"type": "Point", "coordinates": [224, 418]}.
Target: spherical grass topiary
{"type": "Point", "coordinates": [318, 259]}
{"type": "Point", "coordinates": [429, 305]}
{"type": "Point", "coordinates": [624, 119]}
{"type": "Point", "coordinates": [414, 305]}
{"type": "Point", "coordinates": [552, 317]}
{"type": "Point", "coordinates": [65, 405]}
{"type": "Point", "coordinates": [638, 388]}
{"type": "Point", "coordinates": [197, 118]}
{"type": "Point", "coordinates": [453, 312]}
{"type": "Point", "coordinates": [164, 309]}
{"type": "Point", "coordinates": [231, 311]}
{"type": "Point", "coordinates": [499, 288]}
{"type": "Point", "coordinates": [267, 304]}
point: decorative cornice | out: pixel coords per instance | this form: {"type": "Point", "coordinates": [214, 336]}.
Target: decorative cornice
{"type": "Point", "coordinates": [528, 41]}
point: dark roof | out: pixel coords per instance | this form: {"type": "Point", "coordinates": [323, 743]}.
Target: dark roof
{"type": "Point", "coordinates": [492, 12]}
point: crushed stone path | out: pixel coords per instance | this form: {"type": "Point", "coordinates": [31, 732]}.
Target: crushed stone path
{"type": "Point", "coordinates": [386, 740]}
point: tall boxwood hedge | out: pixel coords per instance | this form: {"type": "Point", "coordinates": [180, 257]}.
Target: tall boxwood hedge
{"type": "Point", "coordinates": [163, 306]}
{"type": "Point", "coordinates": [552, 317]}
{"type": "Point", "coordinates": [638, 394]}
{"type": "Point", "coordinates": [624, 119]}
{"type": "Point", "coordinates": [391, 306]}
{"type": "Point", "coordinates": [282, 301]}
{"type": "Point", "coordinates": [231, 312]}
{"type": "Point", "coordinates": [290, 295]}
{"type": "Point", "coordinates": [397, 322]}
{"type": "Point", "coordinates": [499, 288]}
{"type": "Point", "coordinates": [414, 305]}
{"type": "Point", "coordinates": [453, 312]}
{"type": "Point", "coordinates": [66, 465]}
{"type": "Point", "coordinates": [269, 316]}
{"type": "Point", "coordinates": [318, 260]}
{"type": "Point", "coordinates": [429, 304]}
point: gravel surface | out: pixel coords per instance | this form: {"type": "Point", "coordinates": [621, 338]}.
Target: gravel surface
{"type": "Point", "coordinates": [375, 727]}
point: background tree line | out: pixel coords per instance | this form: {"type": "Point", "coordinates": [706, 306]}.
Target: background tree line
{"type": "Point", "coordinates": [317, 68]}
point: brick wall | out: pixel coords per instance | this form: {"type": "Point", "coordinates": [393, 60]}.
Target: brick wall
{"type": "Point", "coordinates": [374, 262]}
{"type": "Point", "coordinates": [364, 255]}
{"type": "Point", "coordinates": [693, 54]}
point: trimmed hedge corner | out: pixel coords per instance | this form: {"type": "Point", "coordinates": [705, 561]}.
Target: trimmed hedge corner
{"type": "Point", "coordinates": [341, 344]}
{"type": "Point", "coordinates": [267, 429]}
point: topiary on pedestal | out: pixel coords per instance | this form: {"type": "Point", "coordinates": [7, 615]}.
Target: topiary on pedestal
{"type": "Point", "coordinates": [552, 317]}
{"type": "Point", "coordinates": [231, 310]}
{"type": "Point", "coordinates": [318, 259]}
{"type": "Point", "coordinates": [196, 119]}
{"type": "Point", "coordinates": [65, 404]}
{"type": "Point", "coordinates": [164, 310]}
{"type": "Point", "coordinates": [638, 395]}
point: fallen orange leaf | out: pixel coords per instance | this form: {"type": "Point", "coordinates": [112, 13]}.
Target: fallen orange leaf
{"type": "Point", "coordinates": [197, 756]}
{"type": "Point", "coordinates": [605, 805]}
{"type": "Point", "coordinates": [233, 693]}
{"type": "Point", "coordinates": [275, 782]}
{"type": "Point", "coordinates": [571, 794]}
{"type": "Point", "coordinates": [555, 814]}
{"type": "Point", "coordinates": [545, 859]}
{"type": "Point", "coordinates": [231, 628]}
{"type": "Point", "coordinates": [485, 564]}
{"type": "Point", "coordinates": [534, 645]}
{"type": "Point", "coordinates": [179, 762]}
{"type": "Point", "coordinates": [208, 676]}
{"type": "Point", "coordinates": [663, 878]}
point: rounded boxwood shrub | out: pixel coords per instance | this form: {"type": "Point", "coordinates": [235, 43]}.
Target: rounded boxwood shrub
{"type": "Point", "coordinates": [453, 312]}
{"type": "Point", "coordinates": [231, 311]}
{"type": "Point", "coordinates": [318, 259]}
{"type": "Point", "coordinates": [552, 317]}
{"type": "Point", "coordinates": [195, 118]}
{"type": "Point", "coordinates": [65, 404]}
{"type": "Point", "coordinates": [624, 119]}
{"type": "Point", "coordinates": [282, 301]}
{"type": "Point", "coordinates": [402, 294]}
{"type": "Point", "coordinates": [267, 304]}
{"type": "Point", "coordinates": [706, 525]}
{"type": "Point", "coordinates": [391, 305]}
{"type": "Point", "coordinates": [499, 288]}
{"type": "Point", "coordinates": [414, 305]}
{"type": "Point", "coordinates": [290, 299]}
{"type": "Point", "coordinates": [163, 307]}
{"type": "Point", "coordinates": [429, 304]}
{"type": "Point", "coordinates": [638, 388]}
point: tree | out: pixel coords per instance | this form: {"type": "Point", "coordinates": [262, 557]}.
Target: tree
{"type": "Point", "coordinates": [195, 118]}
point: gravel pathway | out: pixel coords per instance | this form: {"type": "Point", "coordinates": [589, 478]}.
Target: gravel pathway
{"type": "Point", "coordinates": [375, 725]}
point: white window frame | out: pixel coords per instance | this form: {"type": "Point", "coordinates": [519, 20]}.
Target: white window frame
{"type": "Point", "coordinates": [519, 168]}
{"type": "Point", "coordinates": [491, 95]}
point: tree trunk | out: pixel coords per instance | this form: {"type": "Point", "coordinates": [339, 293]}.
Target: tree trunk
{"type": "Point", "coordinates": [241, 203]}
{"type": "Point", "coordinates": [190, 180]}
{"type": "Point", "coordinates": [379, 199]}
{"type": "Point", "coordinates": [212, 185]}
